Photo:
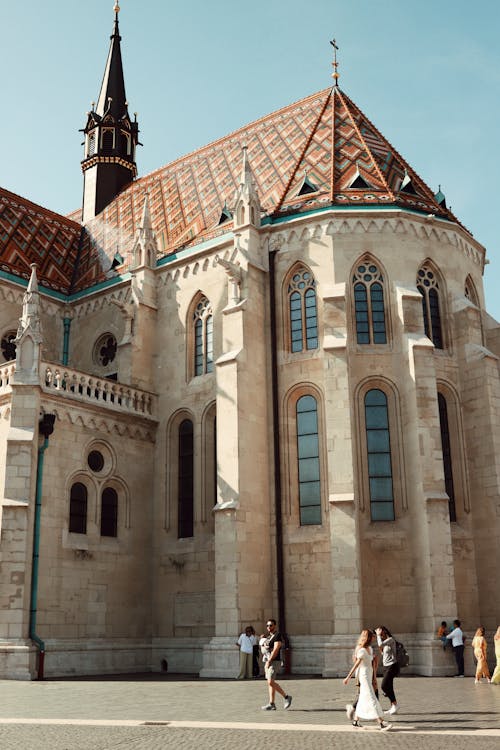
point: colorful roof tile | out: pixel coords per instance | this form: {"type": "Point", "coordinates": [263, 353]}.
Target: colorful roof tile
{"type": "Point", "coordinates": [320, 151]}
{"type": "Point", "coordinates": [323, 141]}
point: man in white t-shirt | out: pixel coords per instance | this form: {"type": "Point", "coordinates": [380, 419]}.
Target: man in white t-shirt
{"type": "Point", "coordinates": [245, 643]}
{"type": "Point", "coordinates": [457, 639]}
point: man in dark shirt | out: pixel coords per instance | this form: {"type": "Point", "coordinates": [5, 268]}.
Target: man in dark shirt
{"type": "Point", "coordinates": [271, 648]}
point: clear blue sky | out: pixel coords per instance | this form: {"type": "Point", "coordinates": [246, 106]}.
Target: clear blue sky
{"type": "Point", "coordinates": [426, 73]}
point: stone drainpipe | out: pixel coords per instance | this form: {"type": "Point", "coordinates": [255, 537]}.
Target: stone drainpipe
{"type": "Point", "coordinates": [46, 428]}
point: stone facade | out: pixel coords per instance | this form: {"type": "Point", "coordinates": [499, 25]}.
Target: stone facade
{"type": "Point", "coordinates": [290, 412]}
{"type": "Point", "coordinates": [147, 599]}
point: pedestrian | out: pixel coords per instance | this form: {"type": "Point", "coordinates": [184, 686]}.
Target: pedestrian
{"type": "Point", "coordinates": [387, 645]}
{"type": "Point", "coordinates": [495, 680]}
{"type": "Point", "coordinates": [351, 707]}
{"type": "Point", "coordinates": [368, 706]}
{"type": "Point", "coordinates": [245, 643]}
{"type": "Point", "coordinates": [457, 639]}
{"type": "Point", "coordinates": [271, 647]}
{"type": "Point", "coordinates": [480, 646]}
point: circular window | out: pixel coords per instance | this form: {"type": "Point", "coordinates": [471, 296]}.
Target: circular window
{"type": "Point", "coordinates": [9, 346]}
{"type": "Point", "coordinates": [105, 350]}
{"type": "Point", "coordinates": [95, 461]}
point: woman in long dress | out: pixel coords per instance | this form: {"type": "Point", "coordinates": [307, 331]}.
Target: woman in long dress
{"type": "Point", "coordinates": [367, 706]}
{"type": "Point", "coordinates": [479, 645]}
{"type": "Point", "coordinates": [495, 680]}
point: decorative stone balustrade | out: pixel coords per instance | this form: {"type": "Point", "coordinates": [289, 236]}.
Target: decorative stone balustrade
{"type": "Point", "coordinates": [95, 390]}
{"type": "Point", "coordinates": [6, 372]}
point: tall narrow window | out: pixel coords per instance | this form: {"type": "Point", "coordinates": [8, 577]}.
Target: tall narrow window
{"type": "Point", "coordinates": [428, 286]}
{"type": "Point", "coordinates": [186, 480]}
{"type": "Point", "coordinates": [203, 338]}
{"type": "Point", "coordinates": [378, 446]}
{"type": "Point", "coordinates": [369, 304]}
{"type": "Point", "coordinates": [308, 461]}
{"type": "Point", "coordinates": [303, 311]}
{"type": "Point", "coordinates": [78, 509]}
{"type": "Point", "coordinates": [109, 512]}
{"type": "Point", "coordinates": [446, 449]}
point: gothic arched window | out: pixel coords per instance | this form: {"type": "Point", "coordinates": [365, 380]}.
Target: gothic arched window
{"type": "Point", "coordinates": [308, 461]}
{"type": "Point", "coordinates": [203, 337]}
{"type": "Point", "coordinates": [109, 512]}
{"type": "Point", "coordinates": [378, 448]}
{"type": "Point", "coordinates": [302, 310]}
{"type": "Point", "coordinates": [470, 291]}
{"type": "Point", "coordinates": [186, 480]}
{"type": "Point", "coordinates": [428, 286]}
{"type": "Point", "coordinates": [78, 509]}
{"type": "Point", "coordinates": [446, 450]}
{"type": "Point", "coordinates": [369, 304]}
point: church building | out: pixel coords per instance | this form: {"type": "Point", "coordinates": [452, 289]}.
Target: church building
{"type": "Point", "coordinates": [258, 382]}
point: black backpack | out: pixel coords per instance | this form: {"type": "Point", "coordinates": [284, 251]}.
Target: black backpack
{"type": "Point", "coordinates": [402, 657]}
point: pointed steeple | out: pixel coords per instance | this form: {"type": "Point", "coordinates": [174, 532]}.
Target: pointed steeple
{"type": "Point", "coordinates": [246, 204]}
{"type": "Point", "coordinates": [29, 334]}
{"type": "Point", "coordinates": [111, 136]}
{"type": "Point", "coordinates": [145, 248]}
{"type": "Point", "coordinates": [112, 97]}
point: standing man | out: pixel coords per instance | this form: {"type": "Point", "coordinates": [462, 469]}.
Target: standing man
{"type": "Point", "coordinates": [245, 643]}
{"type": "Point", "coordinates": [457, 641]}
{"type": "Point", "coordinates": [271, 658]}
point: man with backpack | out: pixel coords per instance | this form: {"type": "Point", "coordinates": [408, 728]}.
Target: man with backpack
{"type": "Point", "coordinates": [271, 648]}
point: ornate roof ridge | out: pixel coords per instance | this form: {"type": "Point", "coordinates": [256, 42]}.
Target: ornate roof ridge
{"type": "Point", "coordinates": [232, 134]}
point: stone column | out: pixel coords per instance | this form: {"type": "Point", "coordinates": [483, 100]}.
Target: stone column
{"type": "Point", "coordinates": [243, 562]}
{"type": "Point", "coordinates": [343, 510]}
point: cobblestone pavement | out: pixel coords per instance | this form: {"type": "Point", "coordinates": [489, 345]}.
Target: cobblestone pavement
{"type": "Point", "coordinates": [157, 711]}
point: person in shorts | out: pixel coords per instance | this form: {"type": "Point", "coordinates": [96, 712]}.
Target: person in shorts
{"type": "Point", "coordinates": [271, 647]}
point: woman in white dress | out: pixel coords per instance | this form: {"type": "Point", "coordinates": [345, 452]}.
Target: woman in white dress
{"type": "Point", "coordinates": [367, 706]}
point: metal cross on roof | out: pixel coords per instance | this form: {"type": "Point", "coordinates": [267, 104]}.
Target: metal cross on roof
{"type": "Point", "coordinates": [335, 64]}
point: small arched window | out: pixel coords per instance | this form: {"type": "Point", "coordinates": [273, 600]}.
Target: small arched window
{"type": "Point", "coordinates": [470, 291]}
{"type": "Point", "coordinates": [186, 480]}
{"type": "Point", "coordinates": [369, 304]}
{"type": "Point", "coordinates": [308, 461]}
{"type": "Point", "coordinates": [109, 512]}
{"type": "Point", "coordinates": [446, 450]}
{"type": "Point", "coordinates": [428, 286]}
{"type": "Point", "coordinates": [91, 143]}
{"type": "Point", "coordinates": [303, 311]}
{"type": "Point", "coordinates": [78, 509]}
{"type": "Point", "coordinates": [203, 337]}
{"type": "Point", "coordinates": [378, 448]}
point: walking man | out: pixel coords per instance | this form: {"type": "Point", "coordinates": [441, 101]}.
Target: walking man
{"type": "Point", "coordinates": [271, 658]}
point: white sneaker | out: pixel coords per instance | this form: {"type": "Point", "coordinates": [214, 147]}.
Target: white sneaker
{"type": "Point", "coordinates": [392, 710]}
{"type": "Point", "coordinates": [349, 710]}
{"type": "Point", "coordinates": [385, 727]}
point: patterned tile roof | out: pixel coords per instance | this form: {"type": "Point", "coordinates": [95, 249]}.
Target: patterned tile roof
{"type": "Point", "coordinates": [323, 141]}
{"type": "Point", "coordinates": [32, 234]}
{"type": "Point", "coordinates": [316, 152]}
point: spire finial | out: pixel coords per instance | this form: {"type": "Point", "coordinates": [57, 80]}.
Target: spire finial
{"type": "Point", "coordinates": [335, 74]}
{"type": "Point", "coordinates": [116, 8]}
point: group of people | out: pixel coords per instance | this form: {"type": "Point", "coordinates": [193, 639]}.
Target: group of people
{"type": "Point", "coordinates": [366, 706]}
{"type": "Point", "coordinates": [365, 662]}
{"type": "Point", "coordinates": [269, 646]}
{"type": "Point", "coordinates": [479, 647]}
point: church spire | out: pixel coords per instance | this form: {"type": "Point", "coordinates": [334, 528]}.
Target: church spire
{"type": "Point", "coordinates": [110, 136]}
{"type": "Point", "coordinates": [112, 97]}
